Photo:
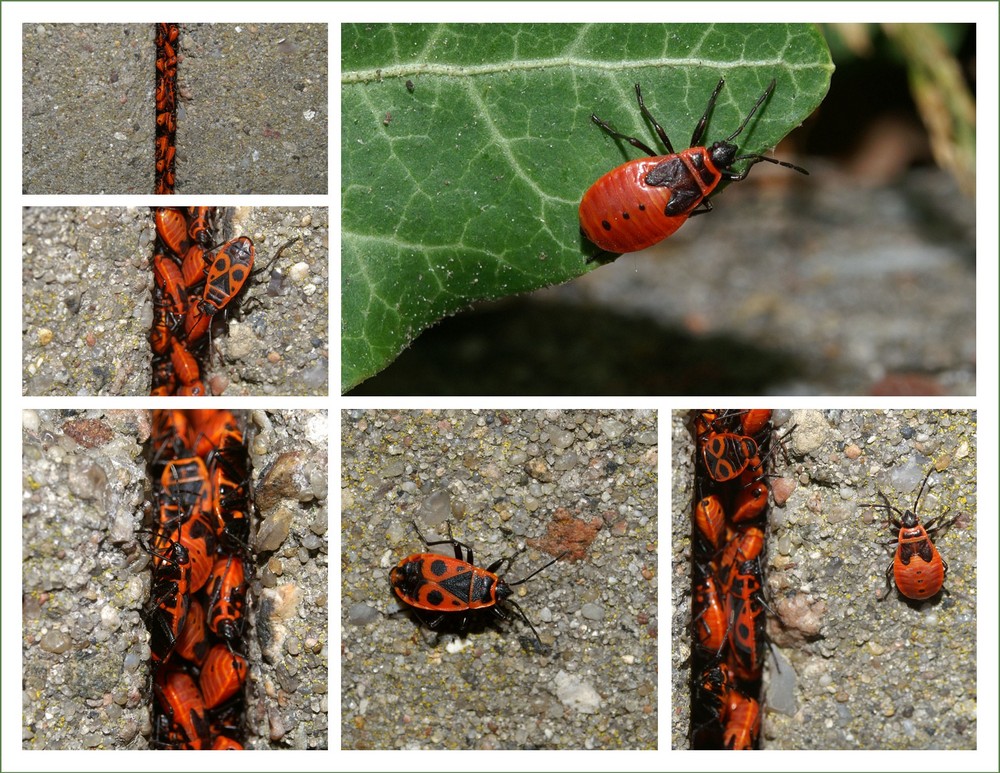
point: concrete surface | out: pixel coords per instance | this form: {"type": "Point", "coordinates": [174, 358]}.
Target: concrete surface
{"type": "Point", "coordinates": [859, 669]}
{"type": "Point", "coordinates": [87, 304]}
{"type": "Point", "coordinates": [499, 477]}
{"type": "Point", "coordinates": [252, 117]}
{"type": "Point", "coordinates": [84, 647]}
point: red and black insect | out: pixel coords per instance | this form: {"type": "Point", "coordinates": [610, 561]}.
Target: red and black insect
{"type": "Point", "coordinates": [167, 613]}
{"type": "Point", "coordinates": [726, 454]}
{"type": "Point", "coordinates": [168, 439]}
{"type": "Point", "coordinates": [708, 612]}
{"type": "Point", "coordinates": [918, 569]}
{"type": "Point", "coordinates": [746, 544]}
{"type": "Point", "coordinates": [221, 676]}
{"type": "Point", "coordinates": [197, 536]}
{"type": "Point", "coordinates": [755, 421]}
{"type": "Point", "coordinates": [186, 481]}
{"type": "Point", "coordinates": [227, 591]}
{"type": "Point", "coordinates": [457, 589]}
{"type": "Point", "coordinates": [751, 500]}
{"type": "Point", "coordinates": [170, 280]}
{"type": "Point", "coordinates": [172, 229]}
{"type": "Point", "coordinates": [745, 612]}
{"type": "Point", "coordinates": [742, 724]}
{"type": "Point", "coordinates": [227, 274]}
{"type": "Point", "coordinates": [231, 501]}
{"type": "Point", "coordinates": [710, 521]}
{"type": "Point", "coordinates": [181, 700]}
{"type": "Point", "coordinates": [193, 643]}
{"type": "Point", "coordinates": [199, 224]}
{"type": "Point", "coordinates": [229, 268]}
{"type": "Point", "coordinates": [644, 201]}
{"type": "Point", "coordinates": [216, 432]}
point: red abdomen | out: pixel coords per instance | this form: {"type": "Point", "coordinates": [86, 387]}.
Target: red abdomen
{"type": "Point", "coordinates": [621, 213]}
{"type": "Point", "coordinates": [918, 569]}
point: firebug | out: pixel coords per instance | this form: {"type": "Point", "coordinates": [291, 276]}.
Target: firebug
{"type": "Point", "coordinates": [918, 569]}
{"type": "Point", "coordinates": [455, 588]}
{"type": "Point", "coordinates": [644, 201]}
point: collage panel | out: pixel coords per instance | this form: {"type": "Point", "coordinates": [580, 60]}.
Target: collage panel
{"type": "Point", "coordinates": [741, 209]}
{"type": "Point", "coordinates": [116, 655]}
{"type": "Point", "coordinates": [250, 110]}
{"type": "Point", "coordinates": [446, 643]}
{"type": "Point", "coordinates": [846, 607]}
{"type": "Point", "coordinates": [96, 292]}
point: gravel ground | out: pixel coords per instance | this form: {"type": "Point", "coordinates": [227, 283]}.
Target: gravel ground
{"type": "Point", "coordinates": [84, 647]}
{"type": "Point", "coordinates": [501, 478]}
{"type": "Point", "coordinates": [87, 304]}
{"type": "Point", "coordinates": [856, 671]}
{"type": "Point", "coordinates": [252, 116]}
{"type": "Point", "coordinates": [793, 285]}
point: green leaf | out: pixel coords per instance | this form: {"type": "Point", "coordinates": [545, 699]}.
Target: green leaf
{"type": "Point", "coordinates": [466, 148]}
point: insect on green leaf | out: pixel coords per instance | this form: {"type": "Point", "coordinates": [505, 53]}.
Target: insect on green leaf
{"type": "Point", "coordinates": [471, 191]}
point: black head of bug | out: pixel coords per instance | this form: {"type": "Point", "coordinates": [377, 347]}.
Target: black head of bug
{"type": "Point", "coordinates": [724, 152]}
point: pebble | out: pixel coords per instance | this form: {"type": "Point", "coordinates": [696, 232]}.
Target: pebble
{"type": "Point", "coordinates": [276, 726]}
{"type": "Point", "coordinates": [436, 508]}
{"type": "Point", "coordinates": [319, 523]}
{"type": "Point", "coordinates": [576, 693]}
{"type": "Point", "coordinates": [284, 480]}
{"type": "Point", "coordinates": [241, 343]}
{"type": "Point", "coordinates": [538, 469]}
{"type": "Point", "coordinates": [30, 421]}
{"type": "Point", "coordinates": [781, 686]}
{"type": "Point", "coordinates": [274, 529]}
{"type": "Point", "coordinates": [86, 479]}
{"type": "Point", "coordinates": [612, 428]}
{"type": "Point", "coordinates": [811, 430]}
{"type": "Point", "coordinates": [317, 375]}
{"type": "Point", "coordinates": [566, 461]}
{"type": "Point", "coordinates": [110, 618]}
{"type": "Point", "coordinates": [299, 272]}
{"type": "Point", "coordinates": [56, 642]}
{"type": "Point", "coordinates": [317, 429]}
{"type": "Point", "coordinates": [560, 438]}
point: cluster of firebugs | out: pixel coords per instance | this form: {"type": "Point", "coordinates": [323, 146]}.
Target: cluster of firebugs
{"type": "Point", "coordinates": [199, 548]}
{"type": "Point", "coordinates": [730, 510]}
{"type": "Point", "coordinates": [166, 106]}
{"type": "Point", "coordinates": [193, 282]}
